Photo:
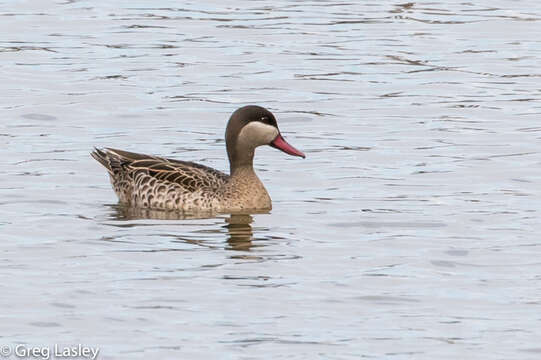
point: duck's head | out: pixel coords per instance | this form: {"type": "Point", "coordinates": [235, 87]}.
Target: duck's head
{"type": "Point", "coordinates": [252, 126]}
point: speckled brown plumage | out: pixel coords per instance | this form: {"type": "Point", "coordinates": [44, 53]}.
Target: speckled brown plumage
{"type": "Point", "coordinates": [159, 183]}
{"type": "Point", "coordinates": [152, 182]}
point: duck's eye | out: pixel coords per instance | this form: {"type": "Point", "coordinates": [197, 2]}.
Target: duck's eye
{"type": "Point", "coordinates": [265, 119]}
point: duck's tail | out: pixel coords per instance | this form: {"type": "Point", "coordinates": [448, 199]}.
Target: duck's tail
{"type": "Point", "coordinates": [102, 158]}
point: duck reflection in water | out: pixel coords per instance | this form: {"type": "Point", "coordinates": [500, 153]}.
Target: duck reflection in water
{"type": "Point", "coordinates": [239, 229]}
{"type": "Point", "coordinates": [240, 232]}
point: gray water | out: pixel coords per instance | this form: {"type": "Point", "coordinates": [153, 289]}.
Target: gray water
{"type": "Point", "coordinates": [410, 231]}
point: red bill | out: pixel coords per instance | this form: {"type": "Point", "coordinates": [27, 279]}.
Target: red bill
{"type": "Point", "coordinates": [280, 143]}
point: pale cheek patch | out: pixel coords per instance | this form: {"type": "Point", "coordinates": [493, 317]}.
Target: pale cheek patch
{"type": "Point", "coordinates": [256, 134]}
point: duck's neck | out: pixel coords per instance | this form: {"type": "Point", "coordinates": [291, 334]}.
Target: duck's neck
{"type": "Point", "coordinates": [244, 174]}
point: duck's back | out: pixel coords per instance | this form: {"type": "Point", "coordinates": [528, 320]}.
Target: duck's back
{"type": "Point", "coordinates": [159, 183]}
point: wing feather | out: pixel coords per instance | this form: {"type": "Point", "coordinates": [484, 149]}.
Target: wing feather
{"type": "Point", "coordinates": [190, 176]}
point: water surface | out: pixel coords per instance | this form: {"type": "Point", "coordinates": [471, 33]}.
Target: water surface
{"type": "Point", "coordinates": [410, 231]}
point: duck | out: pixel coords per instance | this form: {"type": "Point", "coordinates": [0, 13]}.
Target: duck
{"type": "Point", "coordinates": [158, 183]}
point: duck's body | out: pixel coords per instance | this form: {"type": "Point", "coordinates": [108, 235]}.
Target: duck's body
{"type": "Point", "coordinates": [158, 183]}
